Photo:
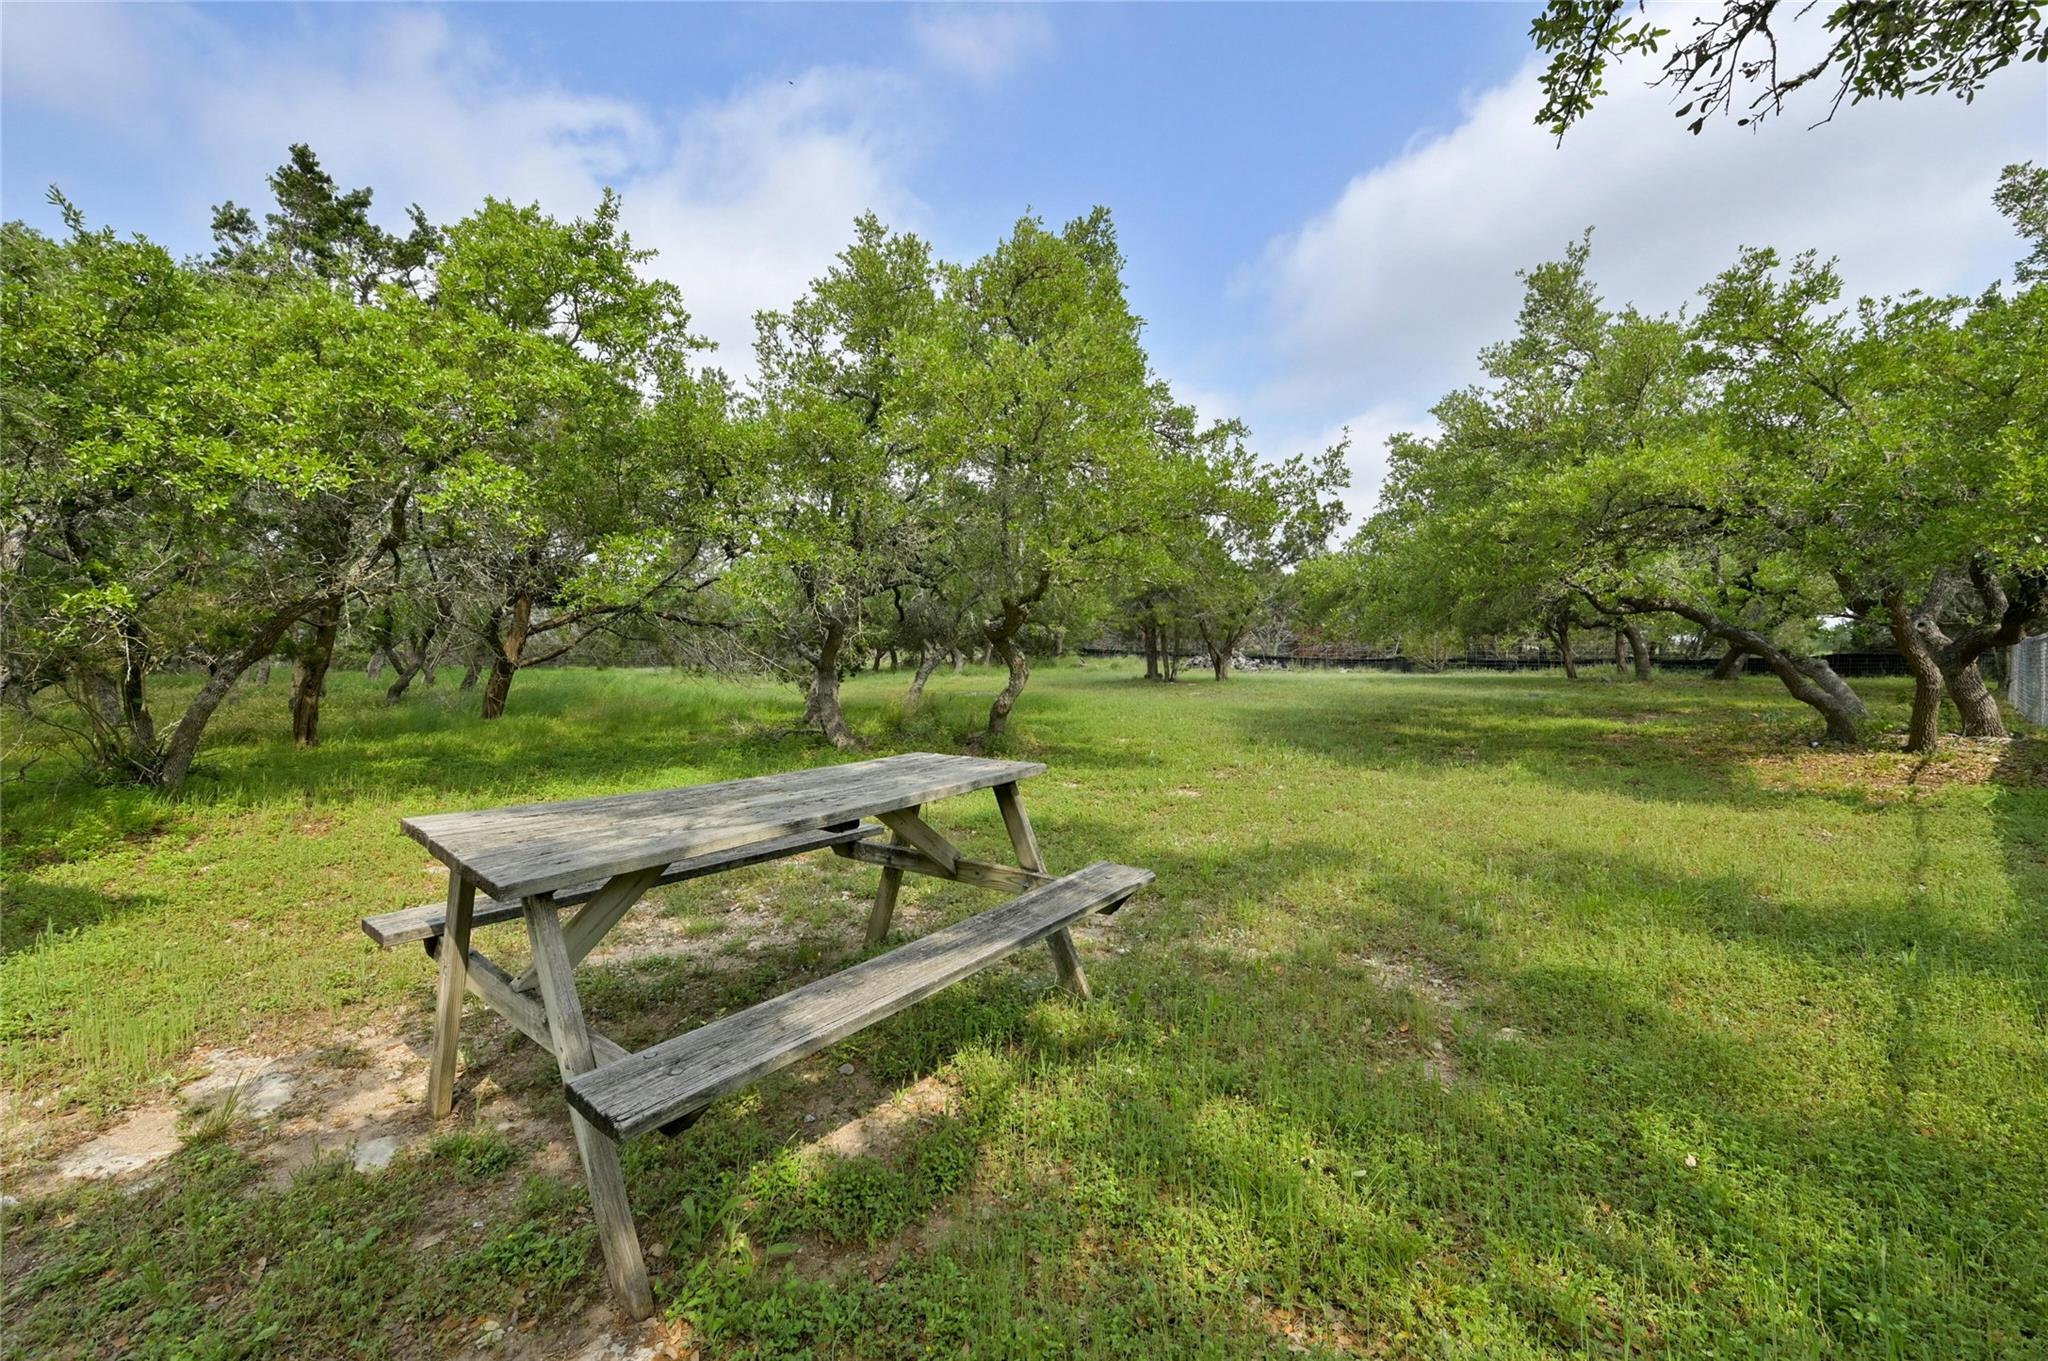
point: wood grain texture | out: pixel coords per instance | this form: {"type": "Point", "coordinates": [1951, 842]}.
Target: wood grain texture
{"type": "Point", "coordinates": [536, 848]}
{"type": "Point", "coordinates": [594, 919]}
{"type": "Point", "coordinates": [489, 981]}
{"type": "Point", "coordinates": [450, 990]}
{"type": "Point", "coordinates": [979, 873]}
{"type": "Point", "coordinates": [428, 919]}
{"type": "Point", "coordinates": [884, 909]}
{"type": "Point", "coordinates": [574, 1054]}
{"type": "Point", "coordinates": [1066, 957]}
{"type": "Point", "coordinates": [677, 1076]}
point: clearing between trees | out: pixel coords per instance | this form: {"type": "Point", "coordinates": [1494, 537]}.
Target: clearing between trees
{"type": "Point", "coordinates": [1474, 1015]}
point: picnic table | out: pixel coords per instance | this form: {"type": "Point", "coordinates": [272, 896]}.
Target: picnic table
{"type": "Point", "coordinates": [601, 855]}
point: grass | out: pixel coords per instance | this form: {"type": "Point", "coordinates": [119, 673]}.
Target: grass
{"type": "Point", "coordinates": [1470, 1016]}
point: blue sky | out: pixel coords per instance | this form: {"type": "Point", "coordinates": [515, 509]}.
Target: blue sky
{"type": "Point", "coordinates": [1323, 205]}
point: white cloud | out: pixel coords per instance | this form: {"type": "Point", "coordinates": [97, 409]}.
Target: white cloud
{"type": "Point", "coordinates": [981, 43]}
{"type": "Point", "coordinates": [1379, 302]}
{"type": "Point", "coordinates": [745, 196]}
{"type": "Point", "coordinates": [761, 190]}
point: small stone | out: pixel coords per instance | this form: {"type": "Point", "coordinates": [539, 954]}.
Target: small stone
{"type": "Point", "coordinates": [657, 1250]}
{"type": "Point", "coordinates": [1691, 1161]}
{"type": "Point", "coordinates": [846, 1070]}
{"type": "Point", "coordinates": [810, 1119]}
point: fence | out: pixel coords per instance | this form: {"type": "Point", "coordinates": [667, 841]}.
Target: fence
{"type": "Point", "coordinates": [1847, 664]}
{"type": "Point", "coordinates": [2027, 682]}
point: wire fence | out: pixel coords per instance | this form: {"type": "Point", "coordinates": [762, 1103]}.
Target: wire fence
{"type": "Point", "coordinates": [1846, 664]}
{"type": "Point", "coordinates": [2027, 679]}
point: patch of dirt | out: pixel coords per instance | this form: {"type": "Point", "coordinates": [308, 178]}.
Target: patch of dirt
{"type": "Point", "coordinates": [1302, 1330]}
{"type": "Point", "coordinates": [145, 1138]}
{"type": "Point", "coordinates": [1400, 975]}
{"type": "Point", "coordinates": [884, 1127]}
{"type": "Point", "coordinates": [1890, 776]}
{"type": "Point", "coordinates": [1445, 997]}
{"type": "Point", "coordinates": [361, 1098]}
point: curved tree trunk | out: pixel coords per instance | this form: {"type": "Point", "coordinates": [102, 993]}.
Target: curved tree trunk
{"type": "Point", "coordinates": [1729, 668]}
{"type": "Point", "coordinates": [401, 681]}
{"type": "Point", "coordinates": [1562, 636]}
{"type": "Point", "coordinates": [309, 673]}
{"type": "Point", "coordinates": [1638, 650]}
{"type": "Point", "coordinates": [821, 697]}
{"type": "Point", "coordinates": [1006, 699]}
{"type": "Point", "coordinates": [184, 741]}
{"type": "Point", "coordinates": [507, 638]}
{"type": "Point", "coordinates": [1809, 680]}
{"type": "Point", "coordinates": [1974, 701]}
{"type": "Point", "coordinates": [1002, 642]}
{"type": "Point", "coordinates": [927, 662]}
{"type": "Point", "coordinates": [1923, 730]}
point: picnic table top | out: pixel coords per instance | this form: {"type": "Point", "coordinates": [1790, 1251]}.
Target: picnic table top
{"type": "Point", "coordinates": [533, 848]}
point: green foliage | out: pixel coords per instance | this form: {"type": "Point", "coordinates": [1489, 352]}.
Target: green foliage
{"type": "Point", "coordinates": [1769, 462]}
{"type": "Point", "coordinates": [1730, 59]}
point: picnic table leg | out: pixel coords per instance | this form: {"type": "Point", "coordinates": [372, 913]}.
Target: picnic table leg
{"type": "Point", "coordinates": [454, 983]}
{"type": "Point", "coordinates": [1066, 960]}
{"type": "Point", "coordinates": [615, 1232]}
{"type": "Point", "coordinates": [885, 896]}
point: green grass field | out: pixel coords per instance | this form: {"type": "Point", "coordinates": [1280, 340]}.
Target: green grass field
{"type": "Point", "coordinates": [1470, 1016]}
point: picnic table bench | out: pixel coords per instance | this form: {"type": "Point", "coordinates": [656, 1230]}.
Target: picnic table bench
{"type": "Point", "coordinates": [601, 855]}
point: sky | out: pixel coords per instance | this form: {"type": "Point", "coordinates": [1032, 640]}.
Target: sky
{"type": "Point", "coordinates": [1323, 206]}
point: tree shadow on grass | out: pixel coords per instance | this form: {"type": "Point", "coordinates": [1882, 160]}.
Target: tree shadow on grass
{"type": "Point", "coordinates": [1664, 743]}
{"type": "Point", "coordinates": [2019, 817]}
{"type": "Point", "coordinates": [36, 907]}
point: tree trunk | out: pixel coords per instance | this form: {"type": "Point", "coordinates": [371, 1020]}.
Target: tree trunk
{"type": "Point", "coordinates": [1923, 730]}
{"type": "Point", "coordinates": [184, 743]}
{"type": "Point", "coordinates": [401, 681]}
{"type": "Point", "coordinates": [309, 673]}
{"type": "Point", "coordinates": [821, 700]}
{"type": "Point", "coordinates": [1638, 650]}
{"type": "Point", "coordinates": [1002, 641]}
{"type": "Point", "coordinates": [927, 662]}
{"type": "Point", "coordinates": [375, 667]}
{"type": "Point", "coordinates": [1730, 666]}
{"type": "Point", "coordinates": [508, 642]}
{"type": "Point", "coordinates": [1563, 638]}
{"type": "Point", "coordinates": [476, 666]}
{"type": "Point", "coordinates": [1974, 701]}
{"type": "Point", "coordinates": [1809, 680]}
{"type": "Point", "coordinates": [1149, 631]}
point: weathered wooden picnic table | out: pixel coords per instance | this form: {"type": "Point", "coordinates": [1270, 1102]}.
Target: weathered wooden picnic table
{"type": "Point", "coordinates": [600, 855]}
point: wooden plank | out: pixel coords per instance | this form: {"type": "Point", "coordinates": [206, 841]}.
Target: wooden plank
{"type": "Point", "coordinates": [575, 1055]}
{"type": "Point", "coordinates": [489, 981]}
{"type": "Point", "coordinates": [980, 873]}
{"type": "Point", "coordinates": [422, 922]}
{"type": "Point", "coordinates": [911, 828]}
{"type": "Point", "coordinates": [597, 917]}
{"type": "Point", "coordinates": [679, 1075]}
{"type": "Point", "coordinates": [1018, 824]}
{"type": "Point", "coordinates": [536, 848]}
{"type": "Point", "coordinates": [428, 919]}
{"type": "Point", "coordinates": [1066, 958]}
{"type": "Point", "coordinates": [885, 900]}
{"type": "Point", "coordinates": [450, 990]}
